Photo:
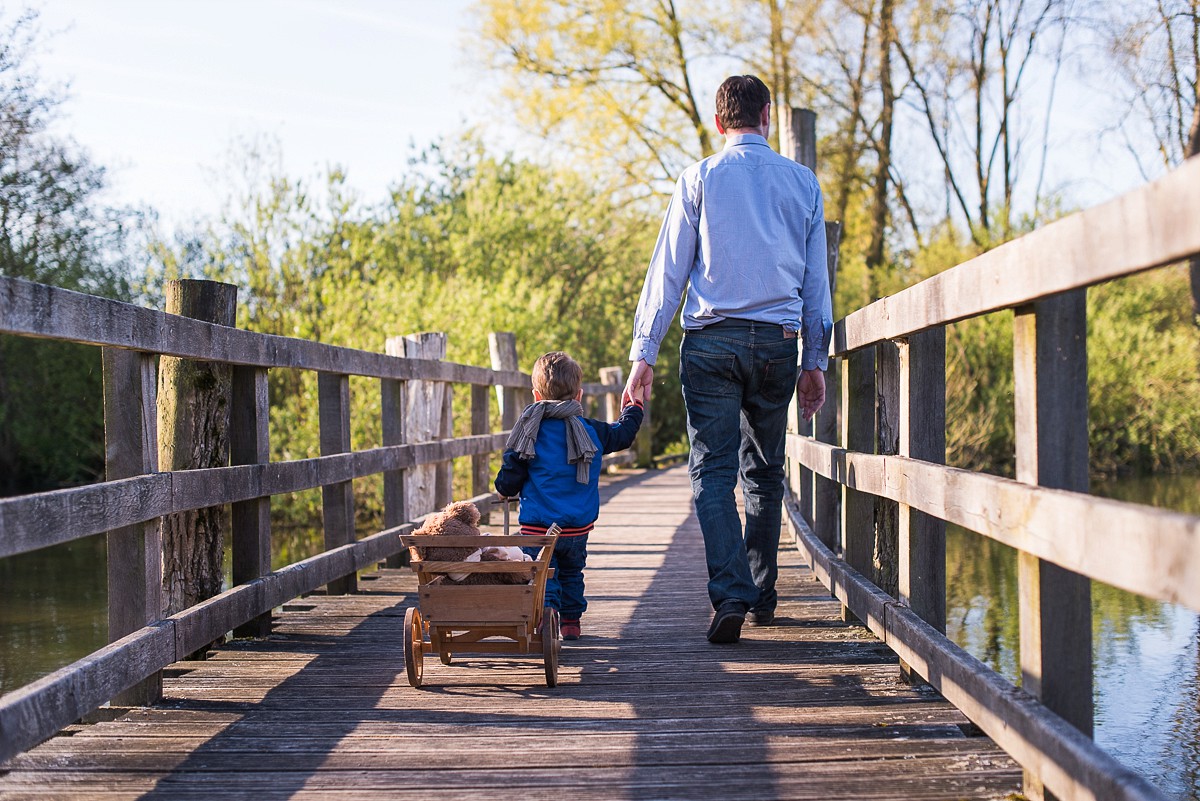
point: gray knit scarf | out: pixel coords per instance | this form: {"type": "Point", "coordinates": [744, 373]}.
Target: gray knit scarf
{"type": "Point", "coordinates": [580, 448]}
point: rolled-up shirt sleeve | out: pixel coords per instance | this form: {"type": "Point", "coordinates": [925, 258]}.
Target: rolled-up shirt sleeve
{"type": "Point", "coordinates": [816, 324]}
{"type": "Point", "coordinates": [667, 275]}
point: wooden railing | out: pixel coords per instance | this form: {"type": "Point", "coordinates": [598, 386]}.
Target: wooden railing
{"type": "Point", "coordinates": [131, 504]}
{"type": "Point", "coordinates": [889, 464]}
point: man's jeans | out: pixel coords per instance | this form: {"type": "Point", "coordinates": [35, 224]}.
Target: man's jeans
{"type": "Point", "coordinates": [738, 379]}
{"type": "Point", "coordinates": [564, 590]}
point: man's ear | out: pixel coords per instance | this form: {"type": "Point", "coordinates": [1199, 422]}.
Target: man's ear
{"type": "Point", "coordinates": [764, 118]}
{"type": "Point", "coordinates": [537, 396]}
{"type": "Point", "coordinates": [720, 127]}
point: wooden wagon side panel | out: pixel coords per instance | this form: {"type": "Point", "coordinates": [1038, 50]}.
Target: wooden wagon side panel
{"type": "Point", "coordinates": [478, 604]}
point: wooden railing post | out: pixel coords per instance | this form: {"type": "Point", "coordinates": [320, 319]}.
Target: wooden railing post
{"type": "Point", "coordinates": [643, 443]}
{"type": "Point", "coordinates": [392, 409]}
{"type": "Point", "coordinates": [134, 552]}
{"type": "Point", "coordinates": [858, 508]}
{"type": "Point", "coordinates": [249, 443]}
{"type": "Point", "coordinates": [818, 495]}
{"type": "Point", "coordinates": [798, 142]}
{"type": "Point", "coordinates": [337, 499]}
{"type": "Point", "coordinates": [612, 400]}
{"type": "Point", "coordinates": [885, 559]}
{"type": "Point", "coordinates": [427, 417]}
{"type": "Point", "coordinates": [193, 422]}
{"type": "Point", "coordinates": [922, 537]}
{"type": "Point", "coordinates": [1051, 393]}
{"type": "Point", "coordinates": [481, 423]}
{"type": "Point", "coordinates": [503, 347]}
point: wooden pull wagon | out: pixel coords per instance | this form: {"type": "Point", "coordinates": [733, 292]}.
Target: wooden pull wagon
{"type": "Point", "coordinates": [455, 619]}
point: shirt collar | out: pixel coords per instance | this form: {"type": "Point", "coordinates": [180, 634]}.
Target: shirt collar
{"type": "Point", "coordinates": [744, 139]}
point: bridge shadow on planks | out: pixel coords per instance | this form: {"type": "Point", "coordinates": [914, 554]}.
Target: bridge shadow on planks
{"type": "Point", "coordinates": [646, 707]}
{"type": "Point", "coordinates": [808, 708]}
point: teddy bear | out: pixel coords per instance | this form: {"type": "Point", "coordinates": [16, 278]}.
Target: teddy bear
{"type": "Point", "coordinates": [462, 519]}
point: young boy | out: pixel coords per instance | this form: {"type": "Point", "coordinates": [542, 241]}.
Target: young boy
{"type": "Point", "coordinates": [552, 460]}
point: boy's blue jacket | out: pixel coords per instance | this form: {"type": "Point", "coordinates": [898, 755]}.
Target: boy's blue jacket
{"type": "Point", "coordinates": [547, 485]}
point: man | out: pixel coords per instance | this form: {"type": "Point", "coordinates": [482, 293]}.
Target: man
{"type": "Point", "coordinates": [745, 234]}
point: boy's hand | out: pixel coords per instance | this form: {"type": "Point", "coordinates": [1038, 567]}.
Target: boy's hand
{"type": "Point", "coordinates": [637, 388]}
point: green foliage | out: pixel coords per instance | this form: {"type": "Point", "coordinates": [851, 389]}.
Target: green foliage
{"type": "Point", "coordinates": [52, 230]}
{"type": "Point", "coordinates": [1143, 354]}
{"type": "Point", "coordinates": [466, 244]}
{"type": "Point", "coordinates": [1144, 389]}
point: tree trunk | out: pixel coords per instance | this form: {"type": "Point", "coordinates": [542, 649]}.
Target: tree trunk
{"type": "Point", "coordinates": [193, 421]}
{"type": "Point", "coordinates": [781, 77]}
{"type": "Point", "coordinates": [1193, 151]}
{"type": "Point", "coordinates": [879, 216]}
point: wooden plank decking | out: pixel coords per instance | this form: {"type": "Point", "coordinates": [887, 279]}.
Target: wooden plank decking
{"type": "Point", "coordinates": [646, 708]}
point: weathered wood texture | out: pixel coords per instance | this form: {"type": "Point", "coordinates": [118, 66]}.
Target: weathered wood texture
{"type": "Point", "coordinates": [1065, 760]}
{"type": "Point", "coordinates": [48, 518]}
{"type": "Point", "coordinates": [249, 443]}
{"type": "Point", "coordinates": [885, 559]}
{"type": "Point", "coordinates": [827, 494]}
{"type": "Point", "coordinates": [645, 707]}
{"type": "Point", "coordinates": [922, 538]}
{"type": "Point", "coordinates": [502, 347]}
{"type": "Point", "coordinates": [798, 141]}
{"type": "Point", "coordinates": [427, 418]}
{"type": "Point", "coordinates": [1051, 399]}
{"type": "Point", "coordinates": [1148, 227]}
{"type": "Point", "coordinates": [51, 703]}
{"type": "Point", "coordinates": [392, 402]}
{"type": "Point", "coordinates": [337, 498]}
{"type": "Point", "coordinates": [858, 434]}
{"type": "Point", "coordinates": [38, 310]}
{"type": "Point", "coordinates": [194, 399]}
{"type": "Point", "coordinates": [134, 546]}
{"type": "Point", "coordinates": [1159, 549]}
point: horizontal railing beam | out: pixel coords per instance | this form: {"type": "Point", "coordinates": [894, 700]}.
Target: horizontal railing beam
{"type": "Point", "coordinates": [1148, 551]}
{"type": "Point", "coordinates": [30, 522]}
{"type": "Point", "coordinates": [1070, 764]}
{"type": "Point", "coordinates": [42, 708]}
{"type": "Point", "coordinates": [39, 710]}
{"type": "Point", "coordinates": [46, 312]}
{"type": "Point", "coordinates": [1148, 227]}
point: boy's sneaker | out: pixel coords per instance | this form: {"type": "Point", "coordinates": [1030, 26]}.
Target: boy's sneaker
{"type": "Point", "coordinates": [569, 629]}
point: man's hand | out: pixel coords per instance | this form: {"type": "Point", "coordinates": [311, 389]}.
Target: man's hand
{"type": "Point", "coordinates": [637, 388]}
{"type": "Point", "coordinates": [810, 388]}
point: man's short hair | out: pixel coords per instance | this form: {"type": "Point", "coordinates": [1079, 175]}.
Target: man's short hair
{"type": "Point", "coordinates": [557, 376]}
{"type": "Point", "coordinates": [740, 101]}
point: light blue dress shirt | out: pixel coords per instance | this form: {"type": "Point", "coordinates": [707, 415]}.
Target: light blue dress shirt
{"type": "Point", "coordinates": [745, 235]}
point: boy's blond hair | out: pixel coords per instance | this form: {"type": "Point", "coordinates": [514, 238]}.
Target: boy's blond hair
{"type": "Point", "coordinates": [556, 376]}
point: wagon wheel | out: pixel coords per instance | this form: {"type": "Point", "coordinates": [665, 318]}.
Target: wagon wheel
{"type": "Point", "coordinates": [550, 644]}
{"type": "Point", "coordinates": [447, 658]}
{"type": "Point", "coordinates": [414, 645]}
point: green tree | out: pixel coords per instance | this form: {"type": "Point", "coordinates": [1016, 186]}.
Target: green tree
{"type": "Point", "coordinates": [614, 81]}
{"type": "Point", "coordinates": [52, 230]}
{"type": "Point", "coordinates": [466, 243]}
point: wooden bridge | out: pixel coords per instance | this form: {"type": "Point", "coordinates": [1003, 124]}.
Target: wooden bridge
{"type": "Point", "coordinates": [314, 703]}
{"type": "Point", "coordinates": [645, 707]}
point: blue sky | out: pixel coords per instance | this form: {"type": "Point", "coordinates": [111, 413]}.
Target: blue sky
{"type": "Point", "coordinates": [160, 90]}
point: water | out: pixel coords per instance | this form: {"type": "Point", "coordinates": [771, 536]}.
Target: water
{"type": "Point", "coordinates": [54, 602]}
{"type": "Point", "coordinates": [1146, 653]}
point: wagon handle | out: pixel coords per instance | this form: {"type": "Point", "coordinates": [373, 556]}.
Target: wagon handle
{"type": "Point", "coordinates": [507, 501]}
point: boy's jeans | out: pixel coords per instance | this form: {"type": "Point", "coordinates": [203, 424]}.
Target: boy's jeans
{"type": "Point", "coordinates": [738, 379]}
{"type": "Point", "coordinates": [564, 590]}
